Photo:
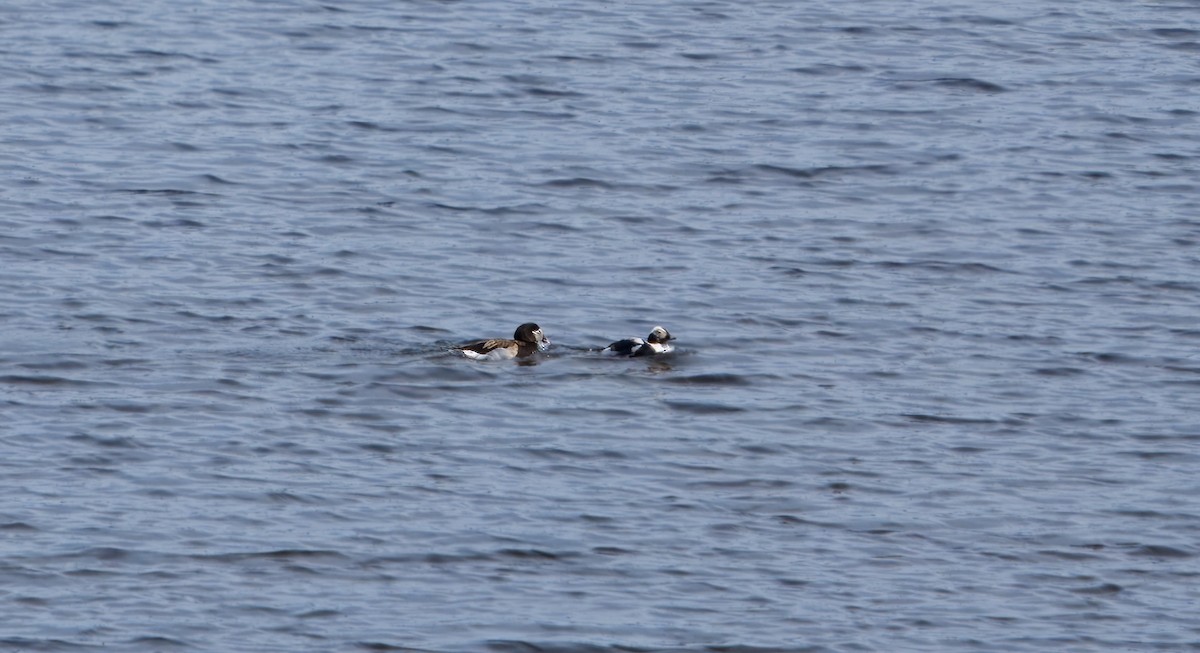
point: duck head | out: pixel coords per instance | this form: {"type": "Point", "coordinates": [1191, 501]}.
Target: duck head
{"type": "Point", "coordinates": [531, 333]}
{"type": "Point", "coordinates": [659, 335]}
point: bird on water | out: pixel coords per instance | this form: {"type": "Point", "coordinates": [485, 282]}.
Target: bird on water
{"type": "Point", "coordinates": [655, 343]}
{"type": "Point", "coordinates": [527, 340]}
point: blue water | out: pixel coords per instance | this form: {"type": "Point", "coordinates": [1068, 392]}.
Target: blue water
{"type": "Point", "coordinates": [932, 269]}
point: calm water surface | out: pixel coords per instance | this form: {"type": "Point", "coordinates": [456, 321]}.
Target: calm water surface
{"type": "Point", "coordinates": [933, 269]}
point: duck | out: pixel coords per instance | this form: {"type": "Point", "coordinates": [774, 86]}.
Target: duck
{"type": "Point", "coordinates": [655, 343]}
{"type": "Point", "coordinates": [527, 340]}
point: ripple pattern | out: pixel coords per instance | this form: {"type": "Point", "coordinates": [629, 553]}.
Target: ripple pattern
{"type": "Point", "coordinates": [932, 270]}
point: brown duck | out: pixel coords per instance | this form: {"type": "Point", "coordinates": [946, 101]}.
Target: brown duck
{"type": "Point", "coordinates": [526, 341]}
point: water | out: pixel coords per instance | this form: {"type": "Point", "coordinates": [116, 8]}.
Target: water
{"type": "Point", "coordinates": [932, 269]}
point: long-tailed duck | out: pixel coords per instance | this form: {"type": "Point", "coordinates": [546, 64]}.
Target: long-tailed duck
{"type": "Point", "coordinates": [527, 340]}
{"type": "Point", "coordinates": [655, 343]}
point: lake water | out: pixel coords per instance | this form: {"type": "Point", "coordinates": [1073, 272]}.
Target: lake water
{"type": "Point", "coordinates": [932, 268]}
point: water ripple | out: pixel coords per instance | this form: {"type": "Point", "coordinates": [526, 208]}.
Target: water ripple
{"type": "Point", "coordinates": [931, 273]}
